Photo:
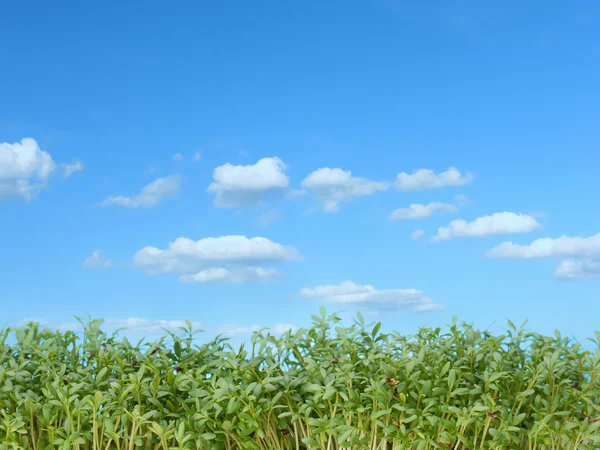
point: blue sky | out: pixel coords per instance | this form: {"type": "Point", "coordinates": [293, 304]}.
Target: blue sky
{"type": "Point", "coordinates": [301, 116]}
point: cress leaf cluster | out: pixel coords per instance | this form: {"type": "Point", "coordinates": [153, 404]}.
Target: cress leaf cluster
{"type": "Point", "coordinates": [328, 387]}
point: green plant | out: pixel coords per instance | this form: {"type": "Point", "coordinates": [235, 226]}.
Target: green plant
{"type": "Point", "coordinates": [328, 387]}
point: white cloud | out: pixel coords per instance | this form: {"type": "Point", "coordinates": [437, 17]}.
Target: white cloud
{"type": "Point", "coordinates": [294, 193]}
{"type": "Point", "coordinates": [178, 157]}
{"type": "Point", "coordinates": [42, 322]}
{"type": "Point", "coordinates": [133, 324]}
{"type": "Point", "coordinates": [497, 223]}
{"type": "Point", "coordinates": [565, 246]}
{"type": "Point", "coordinates": [70, 169]}
{"type": "Point", "coordinates": [150, 196]}
{"type": "Point", "coordinates": [197, 156]}
{"type": "Point", "coordinates": [333, 186]}
{"type": "Point", "coordinates": [97, 261]}
{"type": "Point", "coordinates": [462, 200]}
{"type": "Point", "coordinates": [578, 270]}
{"type": "Point", "coordinates": [583, 251]}
{"type": "Point", "coordinates": [137, 324]}
{"type": "Point", "coordinates": [417, 234]}
{"type": "Point", "coordinates": [350, 293]}
{"type": "Point", "coordinates": [24, 168]}
{"type": "Point", "coordinates": [195, 260]}
{"type": "Point", "coordinates": [69, 326]}
{"type": "Point", "coordinates": [236, 186]}
{"type": "Point", "coordinates": [240, 331]}
{"type": "Point", "coordinates": [236, 276]}
{"type": "Point", "coordinates": [419, 211]}
{"type": "Point", "coordinates": [428, 179]}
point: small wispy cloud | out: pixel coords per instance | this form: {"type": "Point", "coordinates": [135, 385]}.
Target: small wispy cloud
{"type": "Point", "coordinates": [350, 293]}
{"type": "Point", "coordinates": [419, 211]}
{"type": "Point", "coordinates": [178, 157]}
{"type": "Point", "coordinates": [97, 261]}
{"type": "Point", "coordinates": [132, 325]}
{"type": "Point", "coordinates": [232, 330]}
{"type": "Point", "coordinates": [150, 196]}
{"type": "Point", "coordinates": [70, 169]}
{"type": "Point", "coordinates": [494, 224]}
{"type": "Point", "coordinates": [197, 157]}
{"type": "Point", "coordinates": [38, 320]}
{"type": "Point", "coordinates": [268, 217]}
{"type": "Point", "coordinates": [427, 179]}
{"type": "Point", "coordinates": [417, 234]}
{"type": "Point", "coordinates": [221, 275]}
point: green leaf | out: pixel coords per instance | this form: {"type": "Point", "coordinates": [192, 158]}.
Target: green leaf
{"type": "Point", "coordinates": [208, 436]}
{"type": "Point", "coordinates": [526, 393]}
{"type": "Point", "coordinates": [177, 349]}
{"type": "Point", "coordinates": [376, 329]}
{"type": "Point", "coordinates": [451, 378]}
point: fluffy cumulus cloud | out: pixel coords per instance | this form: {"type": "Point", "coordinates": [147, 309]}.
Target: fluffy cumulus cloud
{"type": "Point", "coordinates": [494, 224]}
{"type": "Point", "coordinates": [563, 246]}
{"type": "Point", "coordinates": [419, 211]}
{"type": "Point", "coordinates": [578, 270]}
{"type": "Point", "coordinates": [235, 276]}
{"type": "Point", "coordinates": [24, 169]}
{"type": "Point", "coordinates": [150, 196]}
{"type": "Point", "coordinates": [350, 293]}
{"type": "Point", "coordinates": [427, 179]}
{"type": "Point", "coordinates": [333, 186]}
{"type": "Point", "coordinates": [97, 261]}
{"type": "Point", "coordinates": [238, 186]}
{"type": "Point", "coordinates": [227, 259]}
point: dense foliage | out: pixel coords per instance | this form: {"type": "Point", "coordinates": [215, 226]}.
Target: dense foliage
{"type": "Point", "coordinates": [327, 387]}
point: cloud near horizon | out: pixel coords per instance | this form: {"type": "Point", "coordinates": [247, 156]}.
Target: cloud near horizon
{"type": "Point", "coordinates": [565, 246]}
{"type": "Point", "coordinates": [233, 259]}
{"type": "Point", "coordinates": [232, 330]}
{"type": "Point", "coordinates": [583, 254]}
{"type": "Point", "coordinates": [350, 293]}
